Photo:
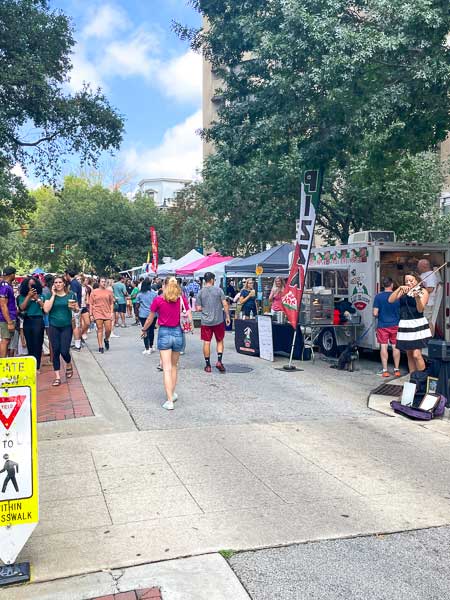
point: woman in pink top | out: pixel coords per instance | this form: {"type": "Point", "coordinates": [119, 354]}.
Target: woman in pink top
{"type": "Point", "coordinates": [276, 295]}
{"type": "Point", "coordinates": [168, 307]}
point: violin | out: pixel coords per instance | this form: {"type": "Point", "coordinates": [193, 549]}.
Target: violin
{"type": "Point", "coordinates": [417, 291]}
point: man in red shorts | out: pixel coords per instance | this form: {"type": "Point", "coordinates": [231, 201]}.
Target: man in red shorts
{"type": "Point", "coordinates": [212, 304]}
{"type": "Point", "coordinates": [388, 317]}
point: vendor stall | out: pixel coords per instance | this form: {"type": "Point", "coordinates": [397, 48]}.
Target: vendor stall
{"type": "Point", "coordinates": [170, 268]}
{"type": "Point", "coordinates": [274, 262]}
{"type": "Point", "coordinates": [218, 269]}
{"type": "Point", "coordinates": [205, 262]}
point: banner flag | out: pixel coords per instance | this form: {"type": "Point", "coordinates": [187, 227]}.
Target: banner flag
{"type": "Point", "coordinates": [311, 188]}
{"type": "Point", "coordinates": [154, 241]}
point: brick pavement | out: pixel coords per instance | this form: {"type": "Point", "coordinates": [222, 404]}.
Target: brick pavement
{"type": "Point", "coordinates": [67, 401]}
{"type": "Point", "coordinates": [144, 594]}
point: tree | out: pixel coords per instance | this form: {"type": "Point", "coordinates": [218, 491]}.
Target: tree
{"type": "Point", "coordinates": [403, 197]}
{"type": "Point", "coordinates": [91, 228]}
{"type": "Point", "coordinates": [319, 78]}
{"type": "Point", "coordinates": [188, 223]}
{"type": "Point", "coordinates": [358, 88]}
{"type": "Point", "coordinates": [251, 204]}
{"type": "Point", "coordinates": [40, 124]}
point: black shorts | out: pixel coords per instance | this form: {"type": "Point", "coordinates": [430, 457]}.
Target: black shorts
{"type": "Point", "coordinates": [84, 311]}
{"type": "Point", "coordinates": [121, 308]}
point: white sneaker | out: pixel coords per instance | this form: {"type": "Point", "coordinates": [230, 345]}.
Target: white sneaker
{"type": "Point", "coordinates": [174, 397]}
{"type": "Point", "coordinates": [168, 405]}
{"type": "Point", "coordinates": [146, 352]}
{"type": "Point", "coordinates": [114, 335]}
{"type": "Point", "coordinates": [151, 351]}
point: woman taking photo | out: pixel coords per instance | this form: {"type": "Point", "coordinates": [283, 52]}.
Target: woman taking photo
{"type": "Point", "coordinates": [276, 295]}
{"type": "Point", "coordinates": [171, 308]}
{"type": "Point", "coordinates": [59, 307]}
{"type": "Point", "coordinates": [413, 328]}
{"type": "Point", "coordinates": [144, 301]}
{"type": "Point", "coordinates": [31, 303]}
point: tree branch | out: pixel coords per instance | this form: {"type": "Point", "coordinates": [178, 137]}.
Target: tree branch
{"type": "Point", "coordinates": [47, 138]}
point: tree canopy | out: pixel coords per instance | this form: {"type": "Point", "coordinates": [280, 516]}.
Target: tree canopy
{"type": "Point", "coordinates": [322, 77]}
{"type": "Point", "coordinates": [359, 88]}
{"type": "Point", "coordinates": [40, 122]}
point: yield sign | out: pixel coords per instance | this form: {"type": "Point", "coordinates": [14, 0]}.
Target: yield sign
{"type": "Point", "coordinates": [9, 407]}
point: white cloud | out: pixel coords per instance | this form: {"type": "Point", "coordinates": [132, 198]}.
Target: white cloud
{"type": "Point", "coordinates": [105, 22]}
{"type": "Point", "coordinates": [178, 155]}
{"type": "Point", "coordinates": [84, 71]}
{"type": "Point", "coordinates": [29, 182]}
{"type": "Point", "coordinates": [131, 57]}
{"type": "Point", "coordinates": [181, 77]}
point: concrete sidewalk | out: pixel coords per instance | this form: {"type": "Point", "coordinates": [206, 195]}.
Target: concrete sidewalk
{"type": "Point", "coordinates": [114, 497]}
{"type": "Point", "coordinates": [118, 500]}
{"type": "Point", "coordinates": [197, 578]}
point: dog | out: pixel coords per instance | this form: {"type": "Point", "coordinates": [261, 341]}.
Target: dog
{"type": "Point", "coordinates": [347, 358]}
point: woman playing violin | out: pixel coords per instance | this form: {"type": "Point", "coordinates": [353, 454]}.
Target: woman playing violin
{"type": "Point", "coordinates": [413, 328]}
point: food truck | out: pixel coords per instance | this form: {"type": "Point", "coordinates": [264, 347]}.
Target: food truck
{"type": "Point", "coordinates": [354, 272]}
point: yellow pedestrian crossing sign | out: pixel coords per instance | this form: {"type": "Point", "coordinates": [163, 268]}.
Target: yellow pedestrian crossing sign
{"type": "Point", "coordinates": [19, 498]}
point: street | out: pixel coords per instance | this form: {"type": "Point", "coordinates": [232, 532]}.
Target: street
{"type": "Point", "coordinates": [246, 461]}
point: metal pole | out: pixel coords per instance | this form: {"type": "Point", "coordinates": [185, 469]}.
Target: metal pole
{"type": "Point", "coordinates": [290, 366]}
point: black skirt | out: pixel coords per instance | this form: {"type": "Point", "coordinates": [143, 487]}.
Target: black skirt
{"type": "Point", "coordinates": [413, 334]}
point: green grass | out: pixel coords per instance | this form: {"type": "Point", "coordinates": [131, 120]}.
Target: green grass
{"type": "Point", "coordinates": [227, 554]}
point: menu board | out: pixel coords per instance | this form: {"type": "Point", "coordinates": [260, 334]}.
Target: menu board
{"type": "Point", "coordinates": [265, 338]}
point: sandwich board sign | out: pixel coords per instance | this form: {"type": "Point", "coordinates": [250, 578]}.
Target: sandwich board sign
{"type": "Point", "coordinates": [19, 503]}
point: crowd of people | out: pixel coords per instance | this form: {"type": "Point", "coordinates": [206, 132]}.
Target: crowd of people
{"type": "Point", "coordinates": [56, 313]}
{"type": "Point", "coordinates": [63, 309]}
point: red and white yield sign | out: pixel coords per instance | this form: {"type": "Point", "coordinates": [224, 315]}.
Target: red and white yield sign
{"type": "Point", "coordinates": [19, 499]}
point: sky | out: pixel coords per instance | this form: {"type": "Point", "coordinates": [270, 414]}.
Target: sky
{"type": "Point", "coordinates": [127, 47]}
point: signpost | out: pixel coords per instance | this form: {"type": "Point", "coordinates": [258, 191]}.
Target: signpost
{"type": "Point", "coordinates": [19, 500]}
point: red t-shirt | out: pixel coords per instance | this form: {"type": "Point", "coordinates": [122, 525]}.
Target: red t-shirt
{"type": "Point", "coordinates": [168, 312]}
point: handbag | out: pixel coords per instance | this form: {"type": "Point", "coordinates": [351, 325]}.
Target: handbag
{"type": "Point", "coordinates": [185, 322]}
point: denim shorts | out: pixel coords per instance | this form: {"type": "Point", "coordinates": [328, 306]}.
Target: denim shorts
{"type": "Point", "coordinates": [171, 338]}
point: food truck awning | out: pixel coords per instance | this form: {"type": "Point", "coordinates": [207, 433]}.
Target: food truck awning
{"type": "Point", "coordinates": [170, 268]}
{"type": "Point", "coordinates": [274, 262]}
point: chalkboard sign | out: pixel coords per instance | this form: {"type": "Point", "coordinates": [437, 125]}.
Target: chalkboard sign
{"type": "Point", "coordinates": [265, 338]}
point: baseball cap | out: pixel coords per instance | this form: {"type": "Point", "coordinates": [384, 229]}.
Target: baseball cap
{"type": "Point", "coordinates": [9, 271]}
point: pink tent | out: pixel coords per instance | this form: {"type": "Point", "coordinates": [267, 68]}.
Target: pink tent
{"type": "Point", "coordinates": [203, 263]}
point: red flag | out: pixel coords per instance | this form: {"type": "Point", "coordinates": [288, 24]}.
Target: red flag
{"type": "Point", "coordinates": [154, 241]}
{"type": "Point", "coordinates": [293, 291]}
{"type": "Point", "coordinates": [309, 204]}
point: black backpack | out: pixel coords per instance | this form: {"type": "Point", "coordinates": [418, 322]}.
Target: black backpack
{"type": "Point", "coordinates": [420, 379]}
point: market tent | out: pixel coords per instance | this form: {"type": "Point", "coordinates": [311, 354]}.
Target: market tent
{"type": "Point", "coordinates": [218, 269]}
{"type": "Point", "coordinates": [38, 271]}
{"type": "Point", "coordinates": [170, 268]}
{"type": "Point", "coordinates": [203, 263]}
{"type": "Point", "coordinates": [274, 262]}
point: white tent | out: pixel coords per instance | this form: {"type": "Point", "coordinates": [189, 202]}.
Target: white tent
{"type": "Point", "coordinates": [218, 269]}
{"type": "Point", "coordinates": [187, 259]}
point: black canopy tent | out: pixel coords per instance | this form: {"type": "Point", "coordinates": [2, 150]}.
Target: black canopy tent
{"type": "Point", "coordinates": [274, 262]}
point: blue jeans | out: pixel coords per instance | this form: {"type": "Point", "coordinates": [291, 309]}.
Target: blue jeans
{"type": "Point", "coordinates": [171, 338]}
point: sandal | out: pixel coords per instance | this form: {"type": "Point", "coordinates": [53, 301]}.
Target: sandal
{"type": "Point", "coordinates": [69, 371]}
{"type": "Point", "coordinates": [56, 382]}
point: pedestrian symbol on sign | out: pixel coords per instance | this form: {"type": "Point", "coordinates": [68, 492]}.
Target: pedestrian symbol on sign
{"type": "Point", "coordinates": [11, 469]}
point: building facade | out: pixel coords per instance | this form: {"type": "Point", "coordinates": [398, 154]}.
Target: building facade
{"type": "Point", "coordinates": [163, 190]}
